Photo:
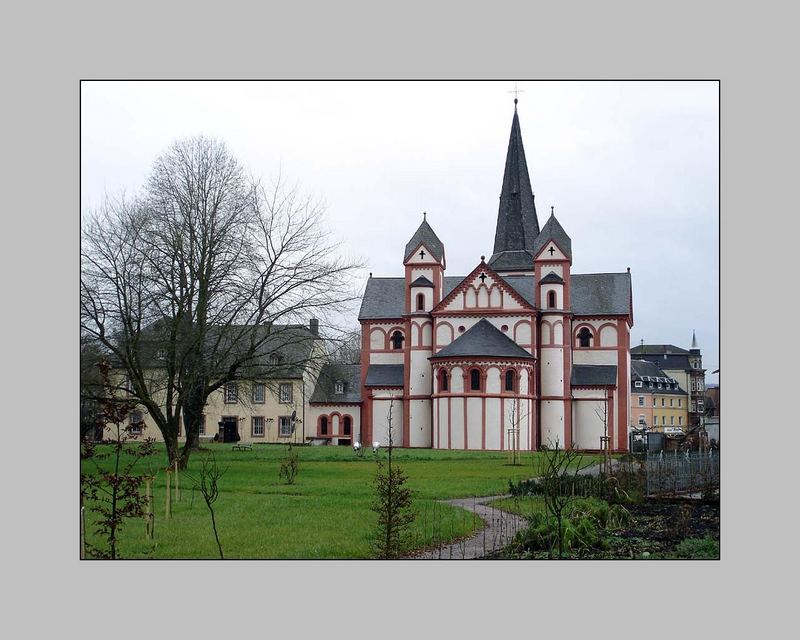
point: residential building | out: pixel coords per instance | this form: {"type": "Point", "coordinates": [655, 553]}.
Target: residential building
{"type": "Point", "coordinates": [657, 399]}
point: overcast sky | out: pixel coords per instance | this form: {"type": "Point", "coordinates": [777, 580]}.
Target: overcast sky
{"type": "Point", "coordinates": [630, 167]}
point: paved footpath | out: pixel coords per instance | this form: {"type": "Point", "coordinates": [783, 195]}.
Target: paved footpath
{"type": "Point", "coordinates": [499, 530]}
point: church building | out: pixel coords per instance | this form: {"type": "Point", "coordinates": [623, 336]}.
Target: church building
{"type": "Point", "coordinates": [518, 353]}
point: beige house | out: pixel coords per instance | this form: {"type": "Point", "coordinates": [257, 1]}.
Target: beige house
{"type": "Point", "coordinates": [274, 408]}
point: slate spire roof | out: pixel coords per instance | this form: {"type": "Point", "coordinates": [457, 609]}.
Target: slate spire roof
{"type": "Point", "coordinates": [517, 224]}
{"type": "Point", "coordinates": [552, 230]}
{"type": "Point", "coordinates": [483, 339]}
{"type": "Point", "coordinates": [425, 235]}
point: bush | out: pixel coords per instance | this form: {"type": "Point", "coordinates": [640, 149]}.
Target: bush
{"type": "Point", "coordinates": [580, 533]}
{"type": "Point", "coordinates": [698, 549]}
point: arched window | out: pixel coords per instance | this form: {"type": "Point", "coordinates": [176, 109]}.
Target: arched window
{"type": "Point", "coordinates": [420, 302]}
{"type": "Point", "coordinates": [443, 380]}
{"type": "Point", "coordinates": [551, 299]}
{"type": "Point", "coordinates": [397, 340]}
{"type": "Point", "coordinates": [510, 380]}
{"type": "Point", "coordinates": [347, 425]}
{"type": "Point", "coordinates": [475, 380]}
{"type": "Point", "coordinates": [323, 426]}
{"type": "Point", "coordinates": [585, 337]}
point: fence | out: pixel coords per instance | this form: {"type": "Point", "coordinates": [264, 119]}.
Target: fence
{"type": "Point", "coordinates": [682, 472]}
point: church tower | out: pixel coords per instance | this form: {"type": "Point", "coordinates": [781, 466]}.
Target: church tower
{"type": "Point", "coordinates": [517, 224]}
{"type": "Point", "coordinates": [552, 251]}
{"type": "Point", "coordinates": [424, 264]}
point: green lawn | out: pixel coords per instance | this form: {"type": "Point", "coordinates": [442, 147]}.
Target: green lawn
{"type": "Point", "coordinates": [324, 514]}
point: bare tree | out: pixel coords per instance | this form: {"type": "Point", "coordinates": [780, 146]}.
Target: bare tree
{"type": "Point", "coordinates": [187, 285]}
{"type": "Point", "coordinates": [346, 348]}
{"type": "Point", "coordinates": [207, 483]}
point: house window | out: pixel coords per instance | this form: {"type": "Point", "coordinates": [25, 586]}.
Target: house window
{"type": "Point", "coordinates": [649, 385]}
{"type": "Point", "coordinates": [285, 393]}
{"type": "Point", "coordinates": [654, 402]}
{"type": "Point", "coordinates": [585, 337]}
{"type": "Point", "coordinates": [663, 420]}
{"type": "Point", "coordinates": [680, 420]}
{"type": "Point", "coordinates": [339, 387]}
{"type": "Point", "coordinates": [397, 340]}
{"type": "Point", "coordinates": [693, 407]}
{"type": "Point", "coordinates": [551, 299]}
{"type": "Point", "coordinates": [638, 384]}
{"type": "Point", "coordinates": [285, 426]}
{"type": "Point", "coordinates": [135, 422]}
{"type": "Point", "coordinates": [231, 394]}
{"type": "Point", "coordinates": [475, 380]}
{"type": "Point", "coordinates": [443, 380]}
{"type": "Point", "coordinates": [642, 421]}
{"type": "Point", "coordinates": [672, 421]}
{"type": "Point", "coordinates": [323, 426]}
{"type": "Point", "coordinates": [202, 430]}
{"type": "Point", "coordinates": [663, 402]}
{"type": "Point", "coordinates": [670, 402]}
{"type": "Point", "coordinates": [259, 393]}
{"type": "Point", "coordinates": [655, 420]}
{"type": "Point", "coordinates": [659, 385]}
{"type": "Point", "coordinates": [641, 401]}
{"type": "Point", "coordinates": [680, 402]}
{"type": "Point", "coordinates": [420, 302]}
{"type": "Point", "coordinates": [258, 426]}
{"type": "Point", "coordinates": [510, 380]}
{"type": "Point", "coordinates": [348, 426]}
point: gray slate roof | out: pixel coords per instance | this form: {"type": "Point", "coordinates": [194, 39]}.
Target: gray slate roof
{"type": "Point", "coordinates": [483, 339]}
{"type": "Point", "coordinates": [659, 349]}
{"type": "Point", "coordinates": [425, 235]}
{"type": "Point", "coordinates": [592, 294]}
{"type": "Point", "coordinates": [325, 390]}
{"type": "Point", "coordinates": [641, 369]}
{"type": "Point", "coordinates": [552, 230]}
{"type": "Point", "coordinates": [512, 261]}
{"type": "Point", "coordinates": [593, 374]}
{"type": "Point", "coordinates": [517, 224]}
{"type": "Point", "coordinates": [552, 277]}
{"type": "Point", "coordinates": [422, 281]}
{"type": "Point", "coordinates": [600, 293]}
{"type": "Point", "coordinates": [385, 375]}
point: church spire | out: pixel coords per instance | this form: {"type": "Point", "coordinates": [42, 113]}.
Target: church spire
{"type": "Point", "coordinates": [517, 224]}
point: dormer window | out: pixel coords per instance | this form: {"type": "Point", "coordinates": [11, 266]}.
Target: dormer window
{"type": "Point", "coordinates": [274, 359]}
{"type": "Point", "coordinates": [638, 384]}
{"type": "Point", "coordinates": [161, 354]}
{"type": "Point", "coordinates": [339, 387]}
{"type": "Point", "coordinates": [397, 340]}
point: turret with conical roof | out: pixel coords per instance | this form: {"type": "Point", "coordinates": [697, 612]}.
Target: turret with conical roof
{"type": "Point", "coordinates": [517, 224]}
{"type": "Point", "coordinates": [553, 232]}
{"type": "Point", "coordinates": [424, 236]}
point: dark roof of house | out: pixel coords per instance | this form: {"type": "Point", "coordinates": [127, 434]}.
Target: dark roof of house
{"type": "Point", "coordinates": [325, 389]}
{"type": "Point", "coordinates": [291, 344]}
{"type": "Point", "coordinates": [552, 230]}
{"type": "Point", "coordinates": [646, 371]}
{"type": "Point", "coordinates": [665, 360]}
{"type": "Point", "coordinates": [422, 281]}
{"type": "Point", "coordinates": [552, 277]}
{"type": "Point", "coordinates": [591, 294]}
{"type": "Point", "coordinates": [652, 349]}
{"type": "Point", "coordinates": [517, 224]}
{"type": "Point", "coordinates": [512, 261]}
{"type": "Point", "coordinates": [593, 374]}
{"type": "Point", "coordinates": [385, 375]}
{"type": "Point", "coordinates": [425, 235]}
{"type": "Point", "coordinates": [481, 340]}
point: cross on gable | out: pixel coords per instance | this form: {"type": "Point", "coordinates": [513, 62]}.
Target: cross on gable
{"type": "Point", "coordinates": [422, 254]}
{"type": "Point", "coordinates": [552, 250]}
{"type": "Point", "coordinates": [482, 276]}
